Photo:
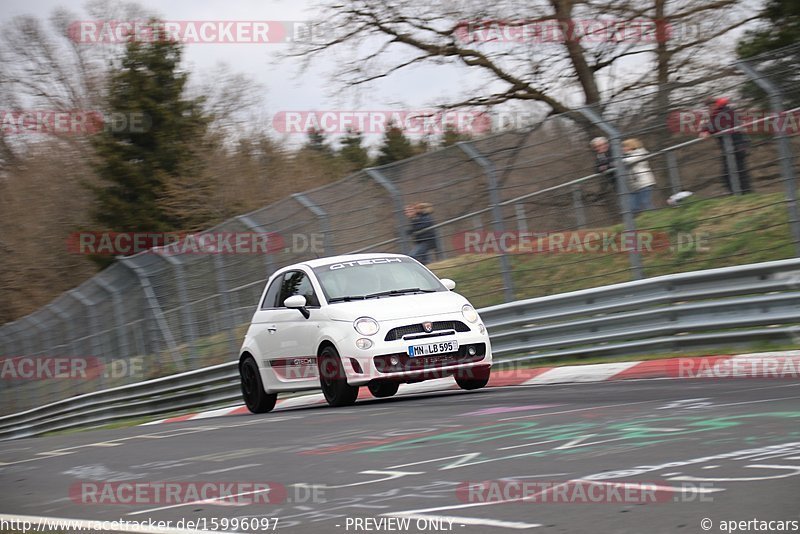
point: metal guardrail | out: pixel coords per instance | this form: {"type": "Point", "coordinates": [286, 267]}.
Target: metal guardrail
{"type": "Point", "coordinates": [686, 311]}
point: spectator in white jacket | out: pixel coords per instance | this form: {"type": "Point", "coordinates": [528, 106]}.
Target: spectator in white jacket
{"type": "Point", "coordinates": [641, 180]}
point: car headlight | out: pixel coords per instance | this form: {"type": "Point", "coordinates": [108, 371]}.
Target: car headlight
{"type": "Point", "coordinates": [366, 326]}
{"type": "Point", "coordinates": [469, 313]}
{"type": "Point", "coordinates": [363, 343]}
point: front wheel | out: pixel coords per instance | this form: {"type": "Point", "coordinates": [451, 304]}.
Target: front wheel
{"type": "Point", "coordinates": [255, 398]}
{"type": "Point", "coordinates": [474, 378]}
{"type": "Point", "coordinates": [381, 390]}
{"type": "Point", "coordinates": [332, 379]}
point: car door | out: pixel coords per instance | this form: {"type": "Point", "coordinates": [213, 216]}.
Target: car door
{"type": "Point", "coordinates": [286, 338]}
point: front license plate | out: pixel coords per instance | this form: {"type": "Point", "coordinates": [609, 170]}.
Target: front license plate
{"type": "Point", "coordinates": [441, 347]}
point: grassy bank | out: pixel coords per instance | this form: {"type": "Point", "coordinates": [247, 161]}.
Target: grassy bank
{"type": "Point", "coordinates": [700, 234]}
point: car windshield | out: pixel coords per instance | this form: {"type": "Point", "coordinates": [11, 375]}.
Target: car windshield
{"type": "Point", "coordinates": [375, 278]}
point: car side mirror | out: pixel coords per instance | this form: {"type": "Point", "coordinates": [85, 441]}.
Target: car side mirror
{"type": "Point", "coordinates": [449, 284]}
{"type": "Point", "coordinates": [297, 302]}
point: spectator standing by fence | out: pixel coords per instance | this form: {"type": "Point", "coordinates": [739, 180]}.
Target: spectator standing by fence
{"type": "Point", "coordinates": [641, 180]}
{"type": "Point", "coordinates": [420, 217]}
{"type": "Point", "coordinates": [602, 158]}
{"type": "Point", "coordinates": [721, 117]}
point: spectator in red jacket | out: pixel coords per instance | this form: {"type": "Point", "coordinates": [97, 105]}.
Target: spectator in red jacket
{"type": "Point", "coordinates": [721, 117]}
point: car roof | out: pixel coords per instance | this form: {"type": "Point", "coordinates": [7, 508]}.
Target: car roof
{"type": "Point", "coordinates": [347, 257]}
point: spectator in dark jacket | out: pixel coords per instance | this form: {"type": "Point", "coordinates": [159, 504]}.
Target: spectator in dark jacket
{"type": "Point", "coordinates": [721, 117]}
{"type": "Point", "coordinates": [602, 159]}
{"type": "Point", "coordinates": [420, 217]}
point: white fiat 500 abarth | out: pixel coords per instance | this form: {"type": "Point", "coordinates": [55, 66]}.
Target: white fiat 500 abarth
{"type": "Point", "coordinates": [343, 322]}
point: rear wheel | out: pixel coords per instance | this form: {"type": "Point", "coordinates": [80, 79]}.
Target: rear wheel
{"type": "Point", "coordinates": [333, 381]}
{"type": "Point", "coordinates": [473, 378]}
{"type": "Point", "coordinates": [255, 398]}
{"type": "Point", "coordinates": [383, 389]}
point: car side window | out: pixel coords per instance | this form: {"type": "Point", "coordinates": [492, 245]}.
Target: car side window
{"type": "Point", "coordinates": [271, 298]}
{"type": "Point", "coordinates": [297, 283]}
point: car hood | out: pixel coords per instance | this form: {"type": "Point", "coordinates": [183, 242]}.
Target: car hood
{"type": "Point", "coordinates": [418, 305]}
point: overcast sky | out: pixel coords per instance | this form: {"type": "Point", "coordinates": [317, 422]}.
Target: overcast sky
{"type": "Point", "coordinates": [284, 88]}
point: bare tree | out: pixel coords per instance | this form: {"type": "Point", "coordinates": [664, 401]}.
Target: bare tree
{"type": "Point", "coordinates": [556, 53]}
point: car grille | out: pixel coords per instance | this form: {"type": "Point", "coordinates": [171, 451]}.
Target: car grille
{"type": "Point", "coordinates": [407, 363]}
{"type": "Point", "coordinates": [398, 333]}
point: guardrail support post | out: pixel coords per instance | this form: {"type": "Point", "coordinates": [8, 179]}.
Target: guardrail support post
{"type": "Point", "coordinates": [497, 212]}
{"type": "Point", "coordinates": [784, 147]}
{"type": "Point", "coordinates": [621, 172]}
{"type": "Point", "coordinates": [322, 218]}
{"type": "Point", "coordinates": [399, 210]}
{"type": "Point", "coordinates": [155, 311]}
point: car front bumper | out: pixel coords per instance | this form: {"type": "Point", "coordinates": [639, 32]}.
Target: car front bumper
{"type": "Point", "coordinates": [390, 360]}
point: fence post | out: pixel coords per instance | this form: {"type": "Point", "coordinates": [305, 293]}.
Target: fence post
{"type": "Point", "coordinates": [621, 172]}
{"type": "Point", "coordinates": [23, 329]}
{"type": "Point", "coordinates": [94, 323]}
{"type": "Point", "coordinates": [784, 147]}
{"type": "Point", "coordinates": [399, 210]}
{"type": "Point", "coordinates": [497, 212]}
{"type": "Point", "coordinates": [13, 401]}
{"type": "Point", "coordinates": [577, 205]}
{"type": "Point", "coordinates": [254, 226]}
{"type": "Point", "coordinates": [190, 335]}
{"type": "Point", "coordinates": [155, 311]}
{"type": "Point", "coordinates": [42, 329]}
{"type": "Point", "coordinates": [322, 219]}
{"type": "Point", "coordinates": [522, 218]}
{"type": "Point", "coordinates": [4, 340]}
{"type": "Point", "coordinates": [674, 173]}
{"type": "Point", "coordinates": [119, 317]}
{"type": "Point", "coordinates": [65, 319]}
{"type": "Point", "coordinates": [227, 309]}
{"type": "Point", "coordinates": [39, 390]}
{"type": "Point", "coordinates": [61, 387]}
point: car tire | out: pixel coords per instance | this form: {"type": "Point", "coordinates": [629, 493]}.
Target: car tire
{"type": "Point", "coordinates": [255, 398]}
{"type": "Point", "coordinates": [382, 390]}
{"type": "Point", "coordinates": [332, 379]}
{"type": "Point", "coordinates": [474, 378]}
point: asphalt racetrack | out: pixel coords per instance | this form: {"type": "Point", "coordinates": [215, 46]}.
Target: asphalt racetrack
{"type": "Point", "coordinates": [624, 457]}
